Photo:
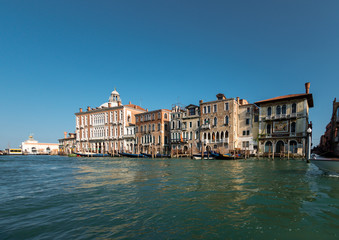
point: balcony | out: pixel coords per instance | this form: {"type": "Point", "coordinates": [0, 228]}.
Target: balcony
{"type": "Point", "coordinates": [129, 136]}
{"type": "Point", "coordinates": [205, 127]}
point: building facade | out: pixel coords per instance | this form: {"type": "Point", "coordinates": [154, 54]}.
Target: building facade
{"type": "Point", "coordinates": [219, 124]}
{"type": "Point", "coordinates": [67, 145]}
{"type": "Point", "coordinates": [185, 130]}
{"type": "Point", "coordinates": [283, 122]}
{"type": "Point", "coordinates": [248, 122]}
{"type": "Point", "coordinates": [32, 146]}
{"type": "Point", "coordinates": [329, 142]}
{"type": "Point", "coordinates": [102, 129]}
{"type": "Point", "coordinates": [152, 132]}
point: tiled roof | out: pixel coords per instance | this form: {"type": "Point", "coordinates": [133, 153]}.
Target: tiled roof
{"type": "Point", "coordinates": [135, 106]}
{"type": "Point", "coordinates": [309, 98]}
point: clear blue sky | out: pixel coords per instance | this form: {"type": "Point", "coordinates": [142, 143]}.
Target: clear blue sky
{"type": "Point", "coordinates": [57, 56]}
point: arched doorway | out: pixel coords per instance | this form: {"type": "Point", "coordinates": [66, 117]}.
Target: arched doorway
{"type": "Point", "coordinates": [293, 147]}
{"type": "Point", "coordinates": [268, 147]}
{"type": "Point", "coordinates": [279, 147]}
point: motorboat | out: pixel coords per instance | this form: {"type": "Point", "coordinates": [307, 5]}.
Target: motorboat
{"type": "Point", "coordinates": [326, 164]}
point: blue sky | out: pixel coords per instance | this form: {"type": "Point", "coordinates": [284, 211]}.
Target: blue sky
{"type": "Point", "coordinates": [57, 56]}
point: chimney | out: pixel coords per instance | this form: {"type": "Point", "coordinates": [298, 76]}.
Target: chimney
{"type": "Point", "coordinates": [109, 104]}
{"type": "Point", "coordinates": [65, 134]}
{"type": "Point", "coordinates": [129, 103]}
{"type": "Point", "coordinates": [238, 99]}
{"type": "Point", "coordinates": [146, 109]}
{"type": "Point", "coordinates": [307, 87]}
{"type": "Point", "coordinates": [201, 101]}
{"type": "Point", "coordinates": [80, 110]}
{"type": "Point", "coordinates": [88, 108]}
{"type": "Point", "coordinates": [119, 103]}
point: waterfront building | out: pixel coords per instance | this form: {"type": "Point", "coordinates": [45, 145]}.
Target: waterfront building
{"type": "Point", "coordinates": [102, 129]}
{"type": "Point", "coordinates": [219, 124]}
{"type": "Point", "coordinates": [67, 144]}
{"type": "Point", "coordinates": [177, 136]}
{"type": "Point", "coordinates": [329, 142]}
{"type": "Point", "coordinates": [283, 122]}
{"type": "Point", "coordinates": [32, 146]}
{"type": "Point", "coordinates": [152, 131]}
{"type": "Point", "coordinates": [185, 130]}
{"type": "Point", "coordinates": [248, 122]}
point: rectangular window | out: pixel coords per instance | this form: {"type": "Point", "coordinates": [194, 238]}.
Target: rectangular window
{"type": "Point", "coordinates": [256, 118]}
{"type": "Point", "coordinates": [209, 109]}
{"type": "Point", "coordinates": [247, 121]}
{"type": "Point", "coordinates": [192, 111]}
{"type": "Point", "coordinates": [215, 108]}
{"type": "Point", "coordinates": [248, 132]}
{"type": "Point", "coordinates": [190, 124]}
{"type": "Point", "coordinates": [199, 123]}
{"type": "Point", "coordinates": [205, 109]}
{"type": "Point", "coordinates": [243, 133]}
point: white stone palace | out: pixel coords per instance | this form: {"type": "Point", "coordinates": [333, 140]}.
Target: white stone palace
{"type": "Point", "coordinates": [107, 128]}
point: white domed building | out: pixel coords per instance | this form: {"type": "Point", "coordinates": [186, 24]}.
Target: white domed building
{"type": "Point", "coordinates": [32, 146]}
{"type": "Point", "coordinates": [107, 128]}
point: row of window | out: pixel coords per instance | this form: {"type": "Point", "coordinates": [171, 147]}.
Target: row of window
{"type": "Point", "coordinates": [148, 117]}
{"type": "Point", "coordinates": [184, 135]}
{"type": "Point", "coordinates": [100, 118]}
{"type": "Point", "coordinates": [207, 109]}
{"type": "Point", "coordinates": [280, 147]}
{"type": "Point", "coordinates": [178, 124]}
{"type": "Point", "coordinates": [281, 109]}
{"type": "Point", "coordinates": [151, 139]}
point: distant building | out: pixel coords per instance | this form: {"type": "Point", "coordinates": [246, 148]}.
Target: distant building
{"type": "Point", "coordinates": [152, 132]}
{"type": "Point", "coordinates": [67, 144]}
{"type": "Point", "coordinates": [219, 124]}
{"type": "Point", "coordinates": [185, 130]}
{"type": "Point", "coordinates": [248, 127]}
{"type": "Point", "coordinates": [102, 129]}
{"type": "Point", "coordinates": [32, 146]}
{"type": "Point", "coordinates": [329, 142]}
{"type": "Point", "coordinates": [283, 122]}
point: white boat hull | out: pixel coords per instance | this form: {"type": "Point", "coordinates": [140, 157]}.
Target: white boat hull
{"type": "Point", "coordinates": [326, 164]}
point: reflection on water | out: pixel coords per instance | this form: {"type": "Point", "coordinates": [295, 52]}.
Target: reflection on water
{"type": "Point", "coordinates": [110, 198]}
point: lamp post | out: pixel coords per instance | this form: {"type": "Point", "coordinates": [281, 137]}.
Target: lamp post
{"type": "Point", "coordinates": [309, 142]}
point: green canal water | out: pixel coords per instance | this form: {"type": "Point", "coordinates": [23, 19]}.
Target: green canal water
{"type": "Point", "coordinates": [52, 197]}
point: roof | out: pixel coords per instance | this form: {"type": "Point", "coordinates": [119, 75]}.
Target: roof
{"type": "Point", "coordinates": [308, 96]}
{"type": "Point", "coordinates": [134, 106]}
{"type": "Point", "coordinates": [191, 105]}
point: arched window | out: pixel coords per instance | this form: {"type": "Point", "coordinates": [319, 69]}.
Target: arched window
{"type": "Point", "coordinates": [269, 111]}
{"type": "Point", "coordinates": [213, 137]}
{"type": "Point", "coordinates": [268, 147]}
{"type": "Point", "coordinates": [293, 127]}
{"type": "Point", "coordinates": [268, 129]}
{"type": "Point", "coordinates": [173, 125]}
{"type": "Point", "coordinates": [222, 135]}
{"type": "Point", "coordinates": [209, 136]}
{"type": "Point", "coordinates": [217, 136]}
{"type": "Point", "coordinates": [179, 124]}
{"type": "Point", "coordinates": [283, 110]}
{"type": "Point", "coordinates": [226, 134]}
{"type": "Point", "coordinates": [278, 110]}
{"type": "Point", "coordinates": [204, 135]}
{"type": "Point", "coordinates": [294, 108]}
{"type": "Point", "coordinates": [226, 120]}
{"type": "Point", "coordinates": [165, 115]}
{"type": "Point", "coordinates": [215, 121]}
{"type": "Point", "coordinates": [293, 147]}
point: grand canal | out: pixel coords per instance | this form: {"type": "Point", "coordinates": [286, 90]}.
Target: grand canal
{"type": "Point", "coordinates": [52, 197]}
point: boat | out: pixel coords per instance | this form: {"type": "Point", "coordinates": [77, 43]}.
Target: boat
{"type": "Point", "coordinates": [227, 156]}
{"type": "Point", "coordinates": [209, 156]}
{"type": "Point", "coordinates": [326, 164]}
{"type": "Point", "coordinates": [132, 155]}
{"type": "Point", "coordinates": [14, 151]}
{"type": "Point", "coordinates": [89, 154]}
{"type": "Point", "coordinates": [158, 155]}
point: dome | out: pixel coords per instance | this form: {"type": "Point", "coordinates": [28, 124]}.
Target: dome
{"type": "Point", "coordinates": [114, 100]}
